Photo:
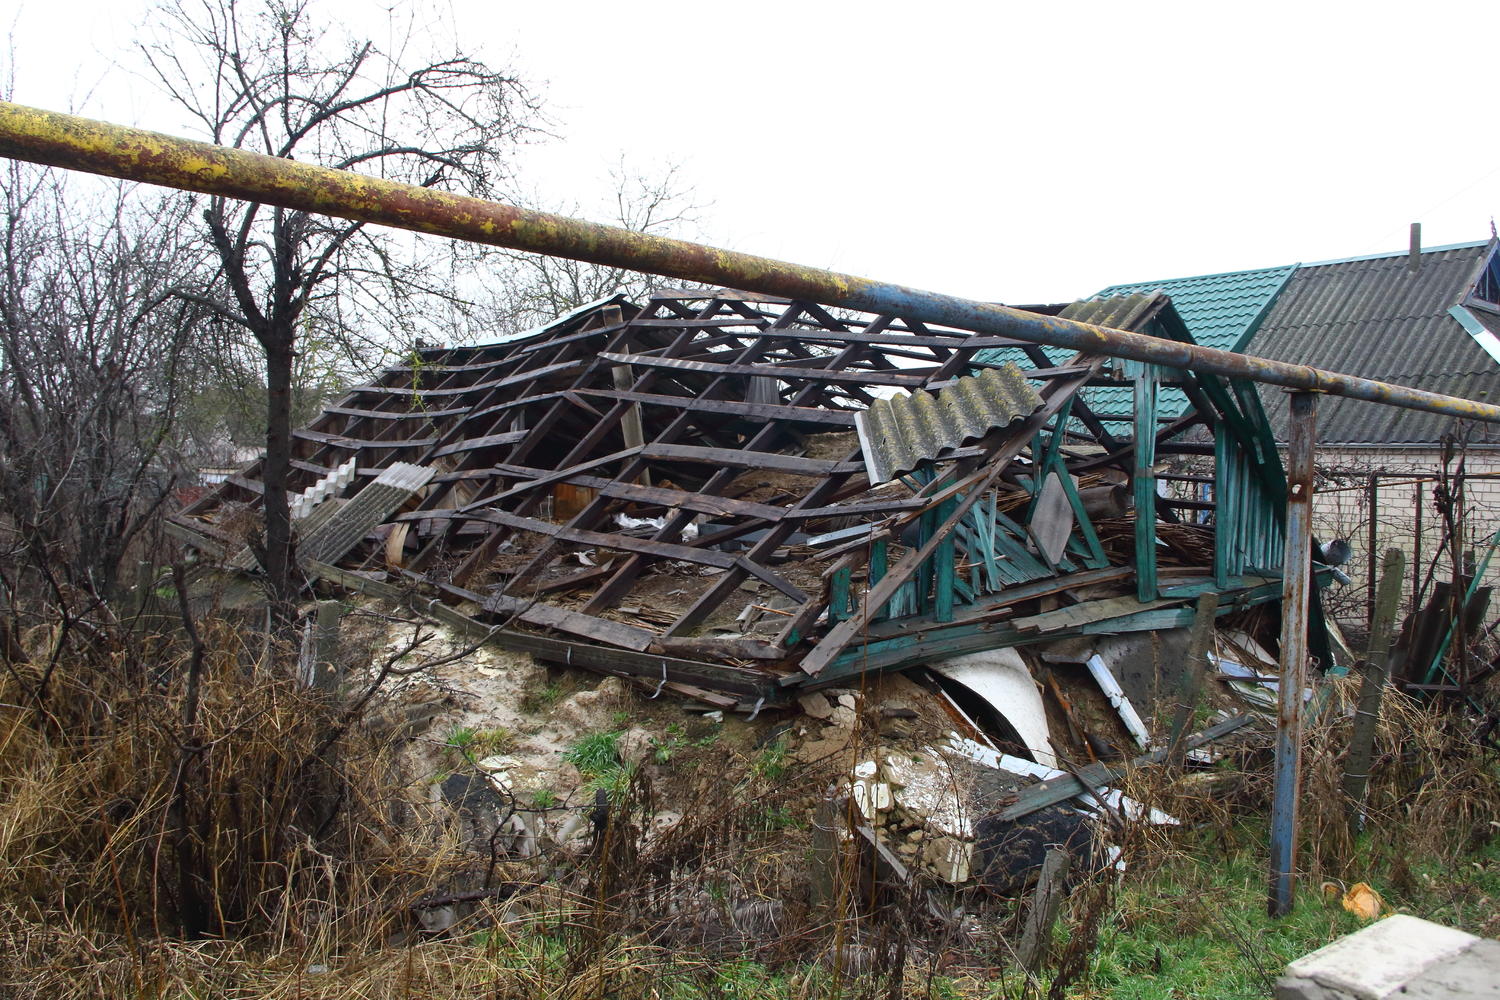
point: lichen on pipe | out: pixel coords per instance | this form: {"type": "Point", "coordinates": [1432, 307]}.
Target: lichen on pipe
{"type": "Point", "coordinates": [76, 143]}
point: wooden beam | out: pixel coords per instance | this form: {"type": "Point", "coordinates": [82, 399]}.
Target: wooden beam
{"type": "Point", "coordinates": [1010, 442]}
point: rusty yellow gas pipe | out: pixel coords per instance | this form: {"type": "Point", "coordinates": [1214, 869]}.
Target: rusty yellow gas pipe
{"type": "Point", "coordinates": [76, 143]}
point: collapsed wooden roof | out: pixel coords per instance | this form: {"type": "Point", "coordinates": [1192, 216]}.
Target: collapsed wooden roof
{"type": "Point", "coordinates": [736, 496]}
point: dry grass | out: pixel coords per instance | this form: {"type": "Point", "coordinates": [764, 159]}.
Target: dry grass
{"type": "Point", "coordinates": [265, 845]}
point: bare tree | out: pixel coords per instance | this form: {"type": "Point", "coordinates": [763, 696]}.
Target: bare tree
{"type": "Point", "coordinates": [266, 75]}
{"type": "Point", "coordinates": [92, 346]}
{"type": "Point", "coordinates": [532, 289]}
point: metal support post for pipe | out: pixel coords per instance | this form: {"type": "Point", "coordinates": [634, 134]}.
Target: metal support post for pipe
{"type": "Point", "coordinates": [1296, 573]}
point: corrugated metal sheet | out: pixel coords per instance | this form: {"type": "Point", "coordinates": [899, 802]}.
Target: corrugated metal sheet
{"type": "Point", "coordinates": [899, 434]}
{"type": "Point", "coordinates": [1376, 318]}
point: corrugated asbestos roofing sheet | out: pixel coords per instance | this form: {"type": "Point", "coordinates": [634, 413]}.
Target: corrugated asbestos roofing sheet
{"type": "Point", "coordinates": [899, 434]}
{"type": "Point", "coordinates": [1375, 318]}
{"type": "Point", "coordinates": [1137, 312]}
{"type": "Point", "coordinates": [1133, 311]}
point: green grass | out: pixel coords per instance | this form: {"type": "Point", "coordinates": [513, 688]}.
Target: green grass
{"type": "Point", "coordinates": [771, 762]}
{"type": "Point", "coordinates": [542, 699]}
{"type": "Point", "coordinates": [468, 744]}
{"type": "Point", "coordinates": [1197, 926]}
{"type": "Point", "coordinates": [595, 754]}
{"type": "Point", "coordinates": [460, 737]}
{"type": "Point", "coordinates": [597, 757]}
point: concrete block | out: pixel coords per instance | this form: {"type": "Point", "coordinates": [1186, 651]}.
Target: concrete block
{"type": "Point", "coordinates": [1472, 973]}
{"type": "Point", "coordinates": [1376, 962]}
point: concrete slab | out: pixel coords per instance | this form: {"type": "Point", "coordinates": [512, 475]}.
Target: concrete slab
{"type": "Point", "coordinates": [1472, 973]}
{"type": "Point", "coordinates": [1388, 958]}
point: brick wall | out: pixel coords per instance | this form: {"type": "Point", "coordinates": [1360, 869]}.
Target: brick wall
{"type": "Point", "coordinates": [1342, 509]}
{"type": "Point", "coordinates": [1406, 479]}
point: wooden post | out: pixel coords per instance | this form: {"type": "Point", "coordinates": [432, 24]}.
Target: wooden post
{"type": "Point", "coordinates": [1295, 587]}
{"type": "Point", "coordinates": [879, 554]}
{"type": "Point", "coordinates": [1144, 482]}
{"type": "Point", "coordinates": [823, 860]}
{"type": "Point", "coordinates": [319, 666]}
{"type": "Point", "coordinates": [1036, 938]}
{"type": "Point", "coordinates": [1416, 555]}
{"type": "Point", "coordinates": [1191, 687]}
{"type": "Point", "coordinates": [1371, 543]}
{"type": "Point", "coordinates": [1372, 687]}
{"type": "Point", "coordinates": [632, 429]}
{"type": "Point", "coordinates": [840, 589]}
{"type": "Point", "coordinates": [944, 570]}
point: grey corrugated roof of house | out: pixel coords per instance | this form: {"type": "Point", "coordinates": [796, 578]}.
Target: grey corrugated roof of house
{"type": "Point", "coordinates": [1375, 318]}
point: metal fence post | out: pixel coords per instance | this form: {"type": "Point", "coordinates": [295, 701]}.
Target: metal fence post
{"type": "Point", "coordinates": [1296, 580]}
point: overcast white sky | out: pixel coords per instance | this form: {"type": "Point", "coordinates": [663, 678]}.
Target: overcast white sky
{"type": "Point", "coordinates": [1007, 151]}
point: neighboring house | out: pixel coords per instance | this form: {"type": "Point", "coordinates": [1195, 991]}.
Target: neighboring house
{"type": "Point", "coordinates": [1430, 321]}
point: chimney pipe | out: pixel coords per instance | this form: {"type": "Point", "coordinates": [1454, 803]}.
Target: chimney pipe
{"type": "Point", "coordinates": [1414, 255]}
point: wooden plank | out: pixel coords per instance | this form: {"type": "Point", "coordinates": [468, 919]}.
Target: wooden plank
{"type": "Point", "coordinates": [600, 629]}
{"type": "Point", "coordinates": [1376, 675]}
{"type": "Point", "coordinates": [1002, 602]}
{"type": "Point", "coordinates": [944, 571]}
{"type": "Point", "coordinates": [352, 411]}
{"type": "Point", "coordinates": [748, 459]}
{"type": "Point", "coordinates": [1010, 442]}
{"type": "Point", "coordinates": [765, 411]}
{"type": "Point", "coordinates": [840, 580]}
{"type": "Point", "coordinates": [474, 444]}
{"type": "Point", "coordinates": [748, 683]}
{"type": "Point", "coordinates": [724, 648]}
{"type": "Point", "coordinates": [561, 475]}
{"type": "Point", "coordinates": [1087, 780]}
{"type": "Point", "coordinates": [1051, 886]}
{"type": "Point", "coordinates": [561, 368]}
{"type": "Point", "coordinates": [202, 540]}
{"type": "Point", "coordinates": [779, 371]}
{"type": "Point", "coordinates": [603, 540]}
{"type": "Point", "coordinates": [853, 509]}
{"type": "Point", "coordinates": [755, 569]}
{"type": "Point", "coordinates": [356, 444]}
{"type": "Point", "coordinates": [1088, 612]}
{"type": "Point", "coordinates": [723, 477]}
{"type": "Point", "coordinates": [702, 502]}
{"type": "Point", "coordinates": [1096, 557]}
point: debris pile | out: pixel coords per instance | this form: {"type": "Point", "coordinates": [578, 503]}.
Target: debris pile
{"type": "Point", "coordinates": [741, 499]}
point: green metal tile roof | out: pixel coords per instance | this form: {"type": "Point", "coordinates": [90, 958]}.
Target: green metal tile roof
{"type": "Point", "coordinates": [1219, 310]}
